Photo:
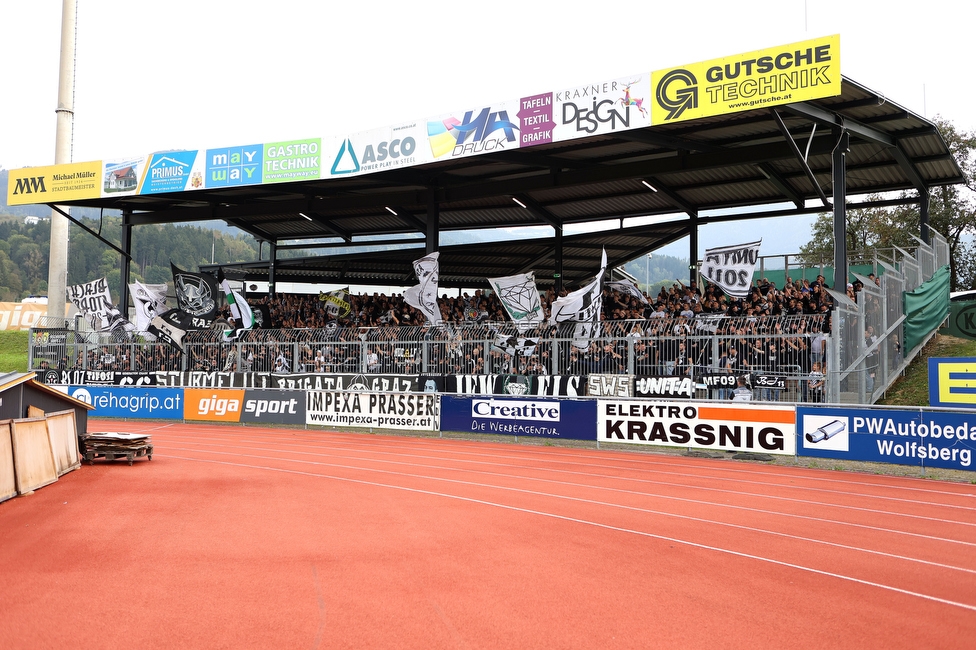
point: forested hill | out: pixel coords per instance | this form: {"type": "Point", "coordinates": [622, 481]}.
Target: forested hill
{"type": "Point", "coordinates": [24, 251]}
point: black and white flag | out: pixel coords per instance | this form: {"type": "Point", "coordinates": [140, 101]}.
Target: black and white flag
{"type": "Point", "coordinates": [629, 288]}
{"type": "Point", "coordinates": [520, 298]}
{"type": "Point", "coordinates": [94, 300]}
{"type": "Point", "coordinates": [582, 308]}
{"type": "Point", "coordinates": [196, 295]}
{"type": "Point", "coordinates": [149, 301]}
{"type": "Point", "coordinates": [171, 326]}
{"type": "Point", "coordinates": [423, 296]}
{"type": "Point", "coordinates": [732, 267]}
{"type": "Point", "coordinates": [336, 304]}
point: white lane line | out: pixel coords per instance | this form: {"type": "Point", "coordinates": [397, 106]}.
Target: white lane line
{"type": "Point", "coordinates": [540, 513]}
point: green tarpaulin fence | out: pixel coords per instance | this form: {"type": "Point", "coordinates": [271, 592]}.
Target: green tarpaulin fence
{"type": "Point", "coordinates": [926, 308]}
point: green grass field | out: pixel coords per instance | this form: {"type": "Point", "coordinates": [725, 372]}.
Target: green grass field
{"type": "Point", "coordinates": [13, 351]}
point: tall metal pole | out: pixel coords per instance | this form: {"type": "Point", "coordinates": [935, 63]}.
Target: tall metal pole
{"type": "Point", "coordinates": [57, 277]}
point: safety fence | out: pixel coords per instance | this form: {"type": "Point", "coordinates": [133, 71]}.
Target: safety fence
{"type": "Point", "coordinates": [773, 354]}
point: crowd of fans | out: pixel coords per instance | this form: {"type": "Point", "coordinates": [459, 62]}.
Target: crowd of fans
{"type": "Point", "coordinates": [800, 297]}
{"type": "Point", "coordinates": [681, 331]}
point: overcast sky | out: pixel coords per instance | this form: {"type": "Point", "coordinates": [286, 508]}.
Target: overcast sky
{"type": "Point", "coordinates": [192, 74]}
{"type": "Point", "coordinates": [188, 74]}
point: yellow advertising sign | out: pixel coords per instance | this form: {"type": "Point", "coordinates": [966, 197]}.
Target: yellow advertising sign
{"type": "Point", "coordinates": [54, 183]}
{"type": "Point", "coordinates": [777, 75]}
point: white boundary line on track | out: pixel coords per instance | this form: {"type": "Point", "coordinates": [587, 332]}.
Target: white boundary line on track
{"type": "Point", "coordinates": [624, 456]}
{"type": "Point", "coordinates": [601, 503]}
{"type": "Point", "coordinates": [653, 482]}
{"type": "Point", "coordinates": [675, 540]}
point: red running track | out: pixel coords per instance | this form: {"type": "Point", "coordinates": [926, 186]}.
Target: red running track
{"type": "Point", "coordinates": [235, 537]}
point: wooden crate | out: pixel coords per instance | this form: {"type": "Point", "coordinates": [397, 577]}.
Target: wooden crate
{"type": "Point", "coordinates": [34, 464]}
{"type": "Point", "coordinates": [8, 483]}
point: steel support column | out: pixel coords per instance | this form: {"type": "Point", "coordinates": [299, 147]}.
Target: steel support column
{"type": "Point", "coordinates": [693, 249]}
{"type": "Point", "coordinates": [923, 216]}
{"type": "Point", "coordinates": [557, 274]}
{"type": "Point", "coordinates": [433, 223]}
{"type": "Point", "coordinates": [126, 241]}
{"type": "Point", "coordinates": [273, 253]}
{"type": "Point", "coordinates": [839, 179]}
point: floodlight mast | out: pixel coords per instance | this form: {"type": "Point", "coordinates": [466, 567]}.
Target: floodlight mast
{"type": "Point", "coordinates": [57, 277]}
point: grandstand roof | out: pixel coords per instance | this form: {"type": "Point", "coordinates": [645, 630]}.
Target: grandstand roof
{"type": "Point", "coordinates": [751, 161]}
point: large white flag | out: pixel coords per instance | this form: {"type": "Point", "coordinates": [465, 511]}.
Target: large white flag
{"type": "Point", "coordinates": [424, 295]}
{"type": "Point", "coordinates": [94, 300]}
{"type": "Point", "coordinates": [582, 308]}
{"type": "Point", "coordinates": [520, 298]}
{"type": "Point", "coordinates": [731, 267]}
{"type": "Point", "coordinates": [149, 301]}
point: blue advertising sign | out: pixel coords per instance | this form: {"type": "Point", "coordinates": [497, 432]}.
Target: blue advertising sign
{"type": "Point", "coordinates": [168, 172]}
{"type": "Point", "coordinates": [952, 382]}
{"type": "Point", "coordinates": [131, 402]}
{"type": "Point", "coordinates": [520, 416]}
{"type": "Point", "coordinates": [902, 437]}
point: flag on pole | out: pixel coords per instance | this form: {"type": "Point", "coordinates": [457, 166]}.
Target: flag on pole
{"type": "Point", "coordinates": [581, 309]}
{"type": "Point", "coordinates": [423, 296]}
{"type": "Point", "coordinates": [149, 301]}
{"type": "Point", "coordinates": [520, 298]}
{"type": "Point", "coordinates": [629, 288]}
{"type": "Point", "coordinates": [239, 309]}
{"type": "Point", "coordinates": [196, 295]}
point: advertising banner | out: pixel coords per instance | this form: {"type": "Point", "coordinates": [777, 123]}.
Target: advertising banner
{"type": "Point", "coordinates": [200, 379]}
{"type": "Point", "coordinates": [545, 418]}
{"type": "Point", "coordinates": [762, 429]}
{"type": "Point", "coordinates": [414, 411]}
{"type": "Point", "coordinates": [296, 160]}
{"type": "Point", "coordinates": [261, 406]}
{"type": "Point", "coordinates": [537, 123]}
{"type": "Point", "coordinates": [778, 75]}
{"type": "Point", "coordinates": [122, 177]}
{"type": "Point", "coordinates": [54, 183]}
{"type": "Point", "coordinates": [604, 107]}
{"type": "Point", "coordinates": [129, 402]}
{"type": "Point", "coordinates": [962, 318]}
{"type": "Point", "coordinates": [233, 166]}
{"type": "Point", "coordinates": [172, 171]}
{"type": "Point", "coordinates": [473, 132]}
{"type": "Point", "coordinates": [21, 316]}
{"type": "Point", "coordinates": [899, 436]}
{"type": "Point", "coordinates": [403, 145]}
{"type": "Point", "coordinates": [952, 382]}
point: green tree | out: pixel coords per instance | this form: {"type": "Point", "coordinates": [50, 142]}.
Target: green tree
{"type": "Point", "coordinates": [952, 213]}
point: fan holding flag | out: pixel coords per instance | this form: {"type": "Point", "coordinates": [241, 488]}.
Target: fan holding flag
{"type": "Point", "coordinates": [239, 309]}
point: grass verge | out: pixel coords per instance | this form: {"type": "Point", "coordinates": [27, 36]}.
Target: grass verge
{"type": "Point", "coordinates": [912, 389]}
{"type": "Point", "coordinates": [13, 351]}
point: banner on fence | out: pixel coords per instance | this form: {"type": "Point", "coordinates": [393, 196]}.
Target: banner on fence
{"type": "Point", "coordinates": [414, 411]}
{"type": "Point", "coordinates": [354, 382]}
{"type": "Point", "coordinates": [664, 386]}
{"type": "Point", "coordinates": [546, 418]}
{"type": "Point", "coordinates": [899, 436]}
{"type": "Point", "coordinates": [97, 377]}
{"type": "Point", "coordinates": [709, 426]}
{"type": "Point", "coordinates": [130, 402]}
{"type": "Point", "coordinates": [610, 386]}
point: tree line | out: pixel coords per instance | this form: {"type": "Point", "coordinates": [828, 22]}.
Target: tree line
{"type": "Point", "coordinates": [24, 253]}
